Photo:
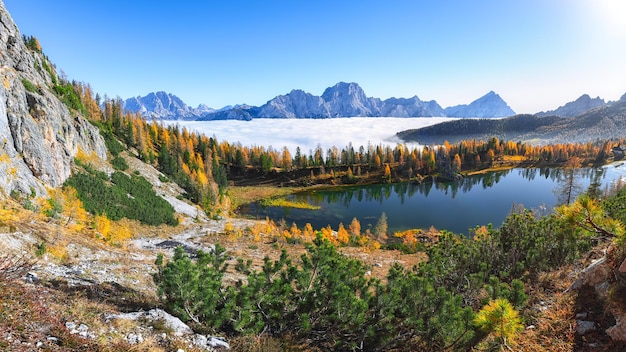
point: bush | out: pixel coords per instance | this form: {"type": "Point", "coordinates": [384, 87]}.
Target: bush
{"type": "Point", "coordinates": [500, 320]}
{"type": "Point", "coordinates": [119, 163]}
{"type": "Point", "coordinates": [41, 249]}
{"type": "Point", "coordinates": [30, 87]}
{"type": "Point", "coordinates": [13, 267]}
{"type": "Point", "coordinates": [328, 301]}
{"type": "Point", "coordinates": [122, 196]}
{"type": "Point", "coordinates": [193, 290]}
{"type": "Point", "coordinates": [32, 43]}
{"type": "Point", "coordinates": [112, 144]}
{"type": "Point", "coordinates": [67, 94]}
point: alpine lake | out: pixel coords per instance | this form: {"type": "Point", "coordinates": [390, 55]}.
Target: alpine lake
{"type": "Point", "coordinates": [453, 206]}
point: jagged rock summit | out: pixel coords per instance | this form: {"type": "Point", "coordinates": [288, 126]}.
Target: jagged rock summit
{"type": "Point", "coordinates": [165, 106]}
{"type": "Point", "coordinates": [489, 105]}
{"type": "Point", "coordinates": [574, 108]}
{"type": "Point", "coordinates": [39, 135]}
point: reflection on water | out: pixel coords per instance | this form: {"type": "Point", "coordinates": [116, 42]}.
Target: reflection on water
{"type": "Point", "coordinates": [455, 206]}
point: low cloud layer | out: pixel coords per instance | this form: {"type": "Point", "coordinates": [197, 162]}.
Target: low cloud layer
{"type": "Point", "coordinates": [309, 133]}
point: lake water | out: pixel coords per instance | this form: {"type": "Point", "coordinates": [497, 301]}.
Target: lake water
{"type": "Point", "coordinates": [457, 207]}
{"type": "Point", "coordinates": [477, 200]}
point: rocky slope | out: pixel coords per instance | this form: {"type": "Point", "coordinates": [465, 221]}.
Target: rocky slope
{"type": "Point", "coordinates": [40, 135]}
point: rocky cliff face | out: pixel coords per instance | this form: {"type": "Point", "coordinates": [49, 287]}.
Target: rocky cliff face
{"type": "Point", "coordinates": [39, 136]}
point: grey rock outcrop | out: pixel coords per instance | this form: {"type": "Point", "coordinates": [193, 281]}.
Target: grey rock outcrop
{"type": "Point", "coordinates": [177, 327]}
{"type": "Point", "coordinates": [39, 136]}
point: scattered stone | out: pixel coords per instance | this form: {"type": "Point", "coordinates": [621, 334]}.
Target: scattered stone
{"type": "Point", "coordinates": [596, 273]}
{"type": "Point", "coordinates": [617, 332]}
{"type": "Point", "coordinates": [584, 326]}
{"type": "Point", "coordinates": [82, 330]}
{"type": "Point", "coordinates": [582, 315]}
{"type": "Point", "coordinates": [531, 327]}
{"type": "Point", "coordinates": [622, 268]}
{"type": "Point", "coordinates": [602, 289]}
{"type": "Point", "coordinates": [134, 339]}
{"type": "Point", "coordinates": [171, 322]}
{"type": "Point", "coordinates": [31, 277]}
{"type": "Point", "coordinates": [209, 342]}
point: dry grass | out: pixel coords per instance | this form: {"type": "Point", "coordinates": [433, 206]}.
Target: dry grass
{"type": "Point", "coordinates": [31, 315]}
{"type": "Point", "coordinates": [240, 195]}
{"type": "Point", "coordinates": [247, 245]}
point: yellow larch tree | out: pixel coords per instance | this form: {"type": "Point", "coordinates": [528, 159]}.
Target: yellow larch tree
{"type": "Point", "coordinates": [342, 234]}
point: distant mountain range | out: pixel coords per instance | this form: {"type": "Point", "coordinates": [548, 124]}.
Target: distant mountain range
{"type": "Point", "coordinates": [598, 120]}
{"type": "Point", "coordinates": [489, 105]}
{"type": "Point", "coordinates": [340, 100]}
{"type": "Point", "coordinates": [165, 106]}
{"type": "Point", "coordinates": [576, 107]}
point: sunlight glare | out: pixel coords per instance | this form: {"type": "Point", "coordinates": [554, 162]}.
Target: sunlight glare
{"type": "Point", "coordinates": [611, 14]}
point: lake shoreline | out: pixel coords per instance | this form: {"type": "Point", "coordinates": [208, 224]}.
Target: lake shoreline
{"type": "Point", "coordinates": [278, 183]}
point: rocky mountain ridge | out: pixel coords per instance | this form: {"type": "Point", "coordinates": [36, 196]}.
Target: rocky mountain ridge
{"type": "Point", "coordinates": [574, 108]}
{"type": "Point", "coordinates": [603, 122]}
{"type": "Point", "coordinates": [40, 135]}
{"type": "Point", "coordinates": [341, 100]}
{"type": "Point", "coordinates": [162, 105]}
{"type": "Point", "coordinates": [489, 105]}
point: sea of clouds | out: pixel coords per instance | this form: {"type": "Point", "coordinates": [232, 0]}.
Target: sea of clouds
{"type": "Point", "coordinates": [309, 133]}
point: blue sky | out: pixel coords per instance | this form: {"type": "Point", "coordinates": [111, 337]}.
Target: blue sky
{"type": "Point", "coordinates": [537, 54]}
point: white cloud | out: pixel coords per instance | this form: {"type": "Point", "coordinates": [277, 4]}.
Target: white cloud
{"type": "Point", "coordinates": [308, 133]}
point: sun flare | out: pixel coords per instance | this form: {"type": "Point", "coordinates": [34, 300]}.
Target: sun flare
{"type": "Point", "coordinates": [610, 15]}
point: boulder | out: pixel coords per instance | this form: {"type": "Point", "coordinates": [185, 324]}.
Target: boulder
{"type": "Point", "coordinates": [617, 332]}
